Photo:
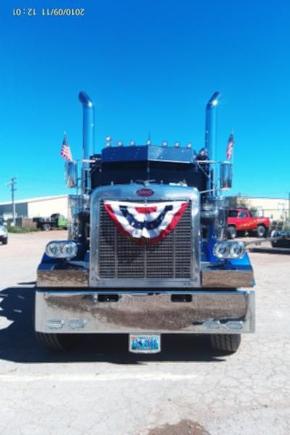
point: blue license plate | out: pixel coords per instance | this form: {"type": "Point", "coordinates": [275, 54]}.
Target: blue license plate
{"type": "Point", "coordinates": [144, 343]}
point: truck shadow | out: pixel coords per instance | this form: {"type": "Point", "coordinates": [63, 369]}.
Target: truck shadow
{"type": "Point", "coordinates": [18, 343]}
{"type": "Point", "coordinates": [283, 251]}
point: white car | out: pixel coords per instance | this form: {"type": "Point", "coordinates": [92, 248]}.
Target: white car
{"type": "Point", "coordinates": [3, 234]}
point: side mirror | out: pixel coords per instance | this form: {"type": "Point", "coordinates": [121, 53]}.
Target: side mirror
{"type": "Point", "coordinates": [226, 175]}
{"type": "Point", "coordinates": [71, 174]}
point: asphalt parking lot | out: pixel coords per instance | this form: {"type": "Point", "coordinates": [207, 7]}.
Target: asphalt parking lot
{"type": "Point", "coordinates": [101, 389]}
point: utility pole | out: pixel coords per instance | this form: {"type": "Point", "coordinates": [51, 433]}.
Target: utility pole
{"type": "Point", "coordinates": [12, 184]}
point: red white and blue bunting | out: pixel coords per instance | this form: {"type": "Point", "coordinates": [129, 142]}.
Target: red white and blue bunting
{"type": "Point", "coordinates": [141, 221]}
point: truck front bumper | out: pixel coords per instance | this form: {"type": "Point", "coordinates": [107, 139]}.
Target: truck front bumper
{"type": "Point", "coordinates": [196, 311]}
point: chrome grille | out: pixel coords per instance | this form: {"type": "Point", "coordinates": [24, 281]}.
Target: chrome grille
{"type": "Point", "coordinates": [121, 257]}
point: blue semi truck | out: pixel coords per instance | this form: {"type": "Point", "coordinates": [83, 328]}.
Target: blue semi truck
{"type": "Point", "coordinates": [147, 252]}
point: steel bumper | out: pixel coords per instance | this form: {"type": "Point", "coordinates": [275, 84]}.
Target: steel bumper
{"type": "Point", "coordinates": [198, 311]}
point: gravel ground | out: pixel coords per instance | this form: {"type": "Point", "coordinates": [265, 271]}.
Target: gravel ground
{"type": "Point", "coordinates": [101, 389]}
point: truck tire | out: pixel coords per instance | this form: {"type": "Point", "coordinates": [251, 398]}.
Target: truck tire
{"type": "Point", "coordinates": [46, 227]}
{"type": "Point", "coordinates": [232, 232]}
{"type": "Point", "coordinates": [57, 342]}
{"type": "Point", "coordinates": [261, 231]}
{"type": "Point", "coordinates": [5, 241]}
{"type": "Point", "coordinates": [225, 343]}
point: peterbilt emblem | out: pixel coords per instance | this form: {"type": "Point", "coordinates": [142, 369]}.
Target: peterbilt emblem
{"type": "Point", "coordinates": [145, 192]}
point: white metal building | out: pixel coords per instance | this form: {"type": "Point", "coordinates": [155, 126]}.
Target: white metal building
{"type": "Point", "coordinates": [36, 207]}
{"type": "Point", "coordinates": [274, 208]}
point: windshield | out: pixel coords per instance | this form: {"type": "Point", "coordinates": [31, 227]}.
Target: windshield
{"type": "Point", "coordinates": [233, 213]}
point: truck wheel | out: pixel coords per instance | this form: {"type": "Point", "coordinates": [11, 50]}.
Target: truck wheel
{"type": "Point", "coordinates": [58, 342]}
{"type": "Point", "coordinates": [232, 232]}
{"type": "Point", "coordinates": [261, 231]}
{"type": "Point", "coordinates": [5, 241]}
{"type": "Point", "coordinates": [225, 343]}
{"type": "Point", "coordinates": [46, 227]}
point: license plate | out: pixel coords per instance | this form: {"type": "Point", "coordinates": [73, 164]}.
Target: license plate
{"type": "Point", "coordinates": [144, 343]}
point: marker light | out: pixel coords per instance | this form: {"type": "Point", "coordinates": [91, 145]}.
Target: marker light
{"type": "Point", "coordinates": [108, 141]}
{"type": "Point", "coordinates": [61, 249]}
{"type": "Point", "coordinates": [229, 249]}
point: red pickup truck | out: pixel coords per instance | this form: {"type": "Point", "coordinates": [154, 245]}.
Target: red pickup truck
{"type": "Point", "coordinates": [240, 220]}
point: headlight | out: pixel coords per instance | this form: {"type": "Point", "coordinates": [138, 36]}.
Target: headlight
{"type": "Point", "coordinates": [275, 233]}
{"type": "Point", "coordinates": [229, 249]}
{"type": "Point", "coordinates": [3, 230]}
{"type": "Point", "coordinates": [221, 250]}
{"type": "Point", "coordinates": [61, 249]}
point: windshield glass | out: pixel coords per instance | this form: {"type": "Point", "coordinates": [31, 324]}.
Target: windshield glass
{"type": "Point", "coordinates": [233, 213]}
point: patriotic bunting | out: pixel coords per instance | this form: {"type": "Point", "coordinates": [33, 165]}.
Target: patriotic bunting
{"type": "Point", "coordinates": [151, 222]}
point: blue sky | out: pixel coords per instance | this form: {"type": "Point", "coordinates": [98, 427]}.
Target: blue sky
{"type": "Point", "coordinates": [149, 65]}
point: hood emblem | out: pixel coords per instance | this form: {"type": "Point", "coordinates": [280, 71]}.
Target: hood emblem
{"type": "Point", "coordinates": [145, 192]}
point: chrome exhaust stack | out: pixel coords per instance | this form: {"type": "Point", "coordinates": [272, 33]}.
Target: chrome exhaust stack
{"type": "Point", "coordinates": [210, 135]}
{"type": "Point", "coordinates": [88, 139]}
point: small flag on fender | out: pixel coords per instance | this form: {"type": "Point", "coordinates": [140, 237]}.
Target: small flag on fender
{"type": "Point", "coordinates": [65, 150]}
{"type": "Point", "coordinates": [230, 147]}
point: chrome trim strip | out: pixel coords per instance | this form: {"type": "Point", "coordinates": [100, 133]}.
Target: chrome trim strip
{"type": "Point", "coordinates": [227, 278]}
{"type": "Point", "coordinates": [211, 278]}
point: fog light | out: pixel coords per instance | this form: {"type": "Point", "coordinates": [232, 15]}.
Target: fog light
{"type": "Point", "coordinates": [61, 249]}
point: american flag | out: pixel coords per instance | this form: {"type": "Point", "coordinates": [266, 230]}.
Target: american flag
{"type": "Point", "coordinates": [230, 147]}
{"type": "Point", "coordinates": [65, 150]}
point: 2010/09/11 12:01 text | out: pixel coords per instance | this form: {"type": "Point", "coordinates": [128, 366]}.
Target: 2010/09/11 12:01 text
{"type": "Point", "coordinates": [49, 12]}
